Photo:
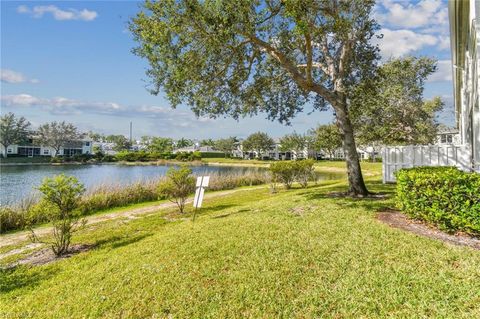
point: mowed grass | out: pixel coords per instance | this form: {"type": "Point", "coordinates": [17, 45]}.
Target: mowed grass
{"type": "Point", "coordinates": [294, 254]}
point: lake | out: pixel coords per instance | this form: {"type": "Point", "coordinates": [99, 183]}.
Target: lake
{"type": "Point", "coordinates": [17, 182]}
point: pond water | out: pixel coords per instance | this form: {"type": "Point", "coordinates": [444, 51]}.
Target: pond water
{"type": "Point", "coordinates": [17, 182]}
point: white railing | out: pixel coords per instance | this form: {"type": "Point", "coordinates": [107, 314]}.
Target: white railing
{"type": "Point", "coordinates": [398, 157]}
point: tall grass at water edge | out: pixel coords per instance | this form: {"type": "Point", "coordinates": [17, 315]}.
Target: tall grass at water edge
{"type": "Point", "coordinates": [31, 210]}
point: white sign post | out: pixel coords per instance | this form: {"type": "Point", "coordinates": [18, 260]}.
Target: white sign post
{"type": "Point", "coordinates": [202, 183]}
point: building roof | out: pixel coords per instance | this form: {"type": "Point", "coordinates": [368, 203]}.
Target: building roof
{"type": "Point", "coordinates": [447, 130]}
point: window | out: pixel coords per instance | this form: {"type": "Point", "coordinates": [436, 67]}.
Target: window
{"type": "Point", "coordinates": [446, 138]}
{"type": "Point", "coordinates": [87, 143]}
{"type": "Point", "coordinates": [9, 150]}
{"type": "Point", "coordinates": [46, 152]}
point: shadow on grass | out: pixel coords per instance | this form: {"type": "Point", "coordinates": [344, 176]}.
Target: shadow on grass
{"type": "Point", "coordinates": [120, 241]}
{"type": "Point", "coordinates": [216, 208]}
{"type": "Point", "coordinates": [380, 199]}
{"type": "Point", "coordinates": [20, 277]}
{"type": "Point", "coordinates": [232, 213]}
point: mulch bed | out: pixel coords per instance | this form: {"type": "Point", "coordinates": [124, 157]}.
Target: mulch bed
{"type": "Point", "coordinates": [396, 219]}
{"type": "Point", "coordinates": [46, 255]}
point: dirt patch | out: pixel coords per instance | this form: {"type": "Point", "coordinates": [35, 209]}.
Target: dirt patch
{"type": "Point", "coordinates": [46, 255]}
{"type": "Point", "coordinates": [20, 250]}
{"type": "Point", "coordinates": [396, 219]}
{"type": "Point", "coordinates": [300, 211]}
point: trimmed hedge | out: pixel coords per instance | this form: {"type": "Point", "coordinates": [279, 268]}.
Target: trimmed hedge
{"type": "Point", "coordinates": [214, 155]}
{"type": "Point", "coordinates": [444, 196]}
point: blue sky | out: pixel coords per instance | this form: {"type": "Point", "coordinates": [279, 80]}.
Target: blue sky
{"type": "Point", "coordinates": [72, 61]}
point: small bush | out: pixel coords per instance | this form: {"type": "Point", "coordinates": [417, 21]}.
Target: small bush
{"type": "Point", "coordinates": [62, 194]}
{"type": "Point", "coordinates": [188, 156]}
{"type": "Point", "coordinates": [284, 172]}
{"type": "Point", "coordinates": [444, 196]}
{"type": "Point", "coordinates": [179, 184]}
{"type": "Point", "coordinates": [305, 171]}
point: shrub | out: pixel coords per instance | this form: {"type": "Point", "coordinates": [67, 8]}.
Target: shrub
{"type": "Point", "coordinates": [140, 156]}
{"type": "Point", "coordinates": [214, 155]}
{"type": "Point", "coordinates": [188, 156]}
{"type": "Point", "coordinates": [109, 158]}
{"type": "Point", "coordinates": [11, 219]}
{"type": "Point", "coordinates": [178, 186]}
{"type": "Point", "coordinates": [284, 172]}
{"type": "Point", "coordinates": [304, 171]}
{"type": "Point", "coordinates": [444, 196]}
{"type": "Point", "coordinates": [62, 194]}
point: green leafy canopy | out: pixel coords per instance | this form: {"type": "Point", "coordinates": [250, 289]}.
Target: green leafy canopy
{"type": "Point", "coordinates": [243, 57]}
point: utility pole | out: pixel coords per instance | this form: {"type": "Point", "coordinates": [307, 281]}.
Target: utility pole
{"type": "Point", "coordinates": [130, 133]}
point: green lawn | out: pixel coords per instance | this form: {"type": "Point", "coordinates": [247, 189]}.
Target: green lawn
{"type": "Point", "coordinates": [253, 254]}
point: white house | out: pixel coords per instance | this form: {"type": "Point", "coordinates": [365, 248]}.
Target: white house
{"type": "Point", "coordinates": [448, 135]}
{"type": "Point", "coordinates": [464, 18]}
{"type": "Point", "coordinates": [465, 45]}
{"type": "Point", "coordinates": [31, 149]}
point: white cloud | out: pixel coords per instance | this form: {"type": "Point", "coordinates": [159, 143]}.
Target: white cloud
{"type": "Point", "coordinates": [444, 72]}
{"type": "Point", "coordinates": [404, 14]}
{"type": "Point", "coordinates": [57, 13]}
{"type": "Point", "coordinates": [425, 17]}
{"type": "Point", "coordinates": [164, 117]}
{"type": "Point", "coordinates": [397, 43]}
{"type": "Point", "coordinates": [14, 77]}
{"type": "Point", "coordinates": [62, 105]}
{"type": "Point", "coordinates": [444, 42]}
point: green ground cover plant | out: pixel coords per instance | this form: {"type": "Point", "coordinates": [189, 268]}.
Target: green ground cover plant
{"type": "Point", "coordinates": [294, 254]}
{"type": "Point", "coordinates": [443, 196]}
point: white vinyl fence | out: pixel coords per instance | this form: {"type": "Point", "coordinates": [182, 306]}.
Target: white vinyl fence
{"type": "Point", "coordinates": [398, 157]}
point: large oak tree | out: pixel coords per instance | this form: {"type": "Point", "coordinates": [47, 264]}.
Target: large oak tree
{"type": "Point", "coordinates": [243, 57]}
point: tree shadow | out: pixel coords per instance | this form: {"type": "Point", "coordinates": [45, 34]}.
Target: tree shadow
{"type": "Point", "coordinates": [118, 241]}
{"type": "Point", "coordinates": [216, 208]}
{"type": "Point", "coordinates": [19, 277]}
{"type": "Point", "coordinates": [232, 213]}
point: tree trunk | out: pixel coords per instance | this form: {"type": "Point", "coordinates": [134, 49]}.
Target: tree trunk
{"type": "Point", "coordinates": [5, 148]}
{"type": "Point", "coordinates": [356, 184]}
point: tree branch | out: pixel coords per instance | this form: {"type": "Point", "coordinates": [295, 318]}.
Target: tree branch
{"type": "Point", "coordinates": [328, 58]}
{"type": "Point", "coordinates": [308, 49]}
{"type": "Point", "coordinates": [292, 69]}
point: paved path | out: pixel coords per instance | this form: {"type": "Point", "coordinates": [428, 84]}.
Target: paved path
{"type": "Point", "coordinates": [18, 237]}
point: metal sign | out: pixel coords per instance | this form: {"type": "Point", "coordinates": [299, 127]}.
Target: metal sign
{"type": "Point", "coordinates": [202, 183]}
